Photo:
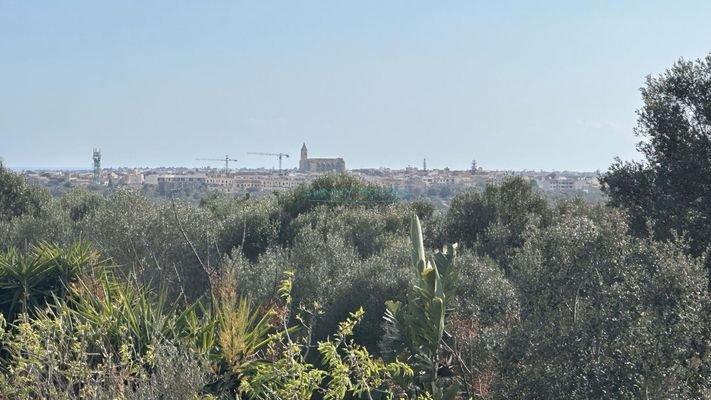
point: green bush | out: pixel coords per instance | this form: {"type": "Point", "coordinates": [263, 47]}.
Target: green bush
{"type": "Point", "coordinates": [349, 371]}
{"type": "Point", "coordinates": [485, 311]}
{"type": "Point", "coordinates": [168, 244]}
{"type": "Point", "coordinates": [52, 226]}
{"type": "Point", "coordinates": [81, 203]}
{"type": "Point", "coordinates": [604, 315]}
{"type": "Point", "coordinates": [17, 197]}
{"type": "Point", "coordinates": [251, 225]}
{"type": "Point", "coordinates": [495, 221]}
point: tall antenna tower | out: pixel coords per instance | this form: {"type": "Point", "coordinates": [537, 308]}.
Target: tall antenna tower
{"type": "Point", "coordinates": [424, 164]}
{"type": "Point", "coordinates": [97, 166]}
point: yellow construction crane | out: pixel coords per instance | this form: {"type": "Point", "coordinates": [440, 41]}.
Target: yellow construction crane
{"type": "Point", "coordinates": [227, 161]}
{"type": "Point", "coordinates": [277, 155]}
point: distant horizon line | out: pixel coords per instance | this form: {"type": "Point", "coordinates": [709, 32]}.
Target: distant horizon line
{"type": "Point", "coordinates": [84, 168]}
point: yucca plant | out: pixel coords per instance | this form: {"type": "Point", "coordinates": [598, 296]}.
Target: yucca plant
{"type": "Point", "coordinates": [414, 329]}
{"type": "Point", "coordinates": [243, 332]}
{"type": "Point", "coordinates": [122, 313]}
{"type": "Point", "coordinates": [32, 279]}
{"type": "Point", "coordinates": [240, 332]}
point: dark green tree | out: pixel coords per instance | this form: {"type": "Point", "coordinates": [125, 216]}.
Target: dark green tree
{"type": "Point", "coordinates": [606, 315]}
{"type": "Point", "coordinates": [250, 224]}
{"type": "Point", "coordinates": [330, 190]}
{"type": "Point", "coordinates": [423, 209]}
{"type": "Point", "coordinates": [81, 203]}
{"type": "Point", "coordinates": [17, 197]}
{"type": "Point", "coordinates": [495, 220]}
{"type": "Point", "coordinates": [334, 190]}
{"type": "Point", "coordinates": [671, 186]}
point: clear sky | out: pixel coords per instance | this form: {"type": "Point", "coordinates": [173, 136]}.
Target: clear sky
{"type": "Point", "coordinates": [512, 84]}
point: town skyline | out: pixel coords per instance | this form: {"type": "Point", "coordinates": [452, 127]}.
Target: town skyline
{"type": "Point", "coordinates": [252, 162]}
{"type": "Point", "coordinates": [544, 85]}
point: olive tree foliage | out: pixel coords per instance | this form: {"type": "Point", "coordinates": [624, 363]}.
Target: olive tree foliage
{"type": "Point", "coordinates": [53, 226]}
{"type": "Point", "coordinates": [25, 211]}
{"type": "Point", "coordinates": [163, 243]}
{"type": "Point", "coordinates": [80, 203]}
{"type": "Point", "coordinates": [368, 261]}
{"type": "Point", "coordinates": [606, 315]}
{"type": "Point", "coordinates": [366, 229]}
{"type": "Point", "coordinates": [485, 311]}
{"type": "Point", "coordinates": [494, 221]}
{"type": "Point", "coordinates": [672, 184]}
{"type": "Point", "coordinates": [59, 221]}
{"type": "Point", "coordinates": [259, 280]}
{"type": "Point", "coordinates": [17, 197]}
{"type": "Point", "coordinates": [329, 272]}
{"type": "Point", "coordinates": [335, 189]}
{"type": "Point", "coordinates": [250, 224]}
{"type": "Point", "coordinates": [329, 191]}
{"type": "Point", "coordinates": [174, 244]}
{"type": "Point", "coordinates": [343, 259]}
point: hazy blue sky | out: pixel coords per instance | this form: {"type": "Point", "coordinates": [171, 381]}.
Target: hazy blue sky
{"type": "Point", "coordinates": [512, 84]}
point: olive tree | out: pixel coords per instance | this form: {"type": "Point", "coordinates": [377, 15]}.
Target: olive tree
{"type": "Point", "coordinates": [671, 185]}
{"type": "Point", "coordinates": [606, 315]}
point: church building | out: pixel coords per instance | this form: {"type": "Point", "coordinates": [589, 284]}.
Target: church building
{"type": "Point", "coordinates": [307, 164]}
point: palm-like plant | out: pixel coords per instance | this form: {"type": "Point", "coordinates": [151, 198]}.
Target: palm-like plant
{"type": "Point", "coordinates": [243, 332]}
{"type": "Point", "coordinates": [414, 330]}
{"type": "Point", "coordinates": [32, 279]}
{"type": "Point", "coordinates": [122, 313]}
{"type": "Point", "coordinates": [240, 332]}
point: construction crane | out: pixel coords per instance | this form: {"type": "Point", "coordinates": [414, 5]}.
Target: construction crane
{"type": "Point", "coordinates": [277, 155]}
{"type": "Point", "coordinates": [227, 161]}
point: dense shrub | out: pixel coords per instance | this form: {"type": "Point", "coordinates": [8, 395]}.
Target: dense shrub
{"type": "Point", "coordinates": [495, 220]}
{"type": "Point", "coordinates": [251, 224]}
{"type": "Point", "coordinates": [17, 197]}
{"type": "Point", "coordinates": [169, 244]}
{"type": "Point", "coordinates": [52, 226]}
{"type": "Point", "coordinates": [485, 312]}
{"type": "Point", "coordinates": [604, 315]}
{"type": "Point", "coordinates": [365, 229]}
{"type": "Point", "coordinates": [81, 203]}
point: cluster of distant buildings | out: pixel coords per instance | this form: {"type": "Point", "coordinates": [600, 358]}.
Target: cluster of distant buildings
{"type": "Point", "coordinates": [409, 180]}
{"type": "Point", "coordinates": [249, 180]}
{"type": "Point", "coordinates": [413, 180]}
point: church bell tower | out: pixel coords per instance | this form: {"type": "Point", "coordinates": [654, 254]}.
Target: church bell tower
{"type": "Point", "coordinates": [303, 163]}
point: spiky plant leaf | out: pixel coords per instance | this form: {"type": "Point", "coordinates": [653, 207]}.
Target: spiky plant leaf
{"type": "Point", "coordinates": [415, 328]}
